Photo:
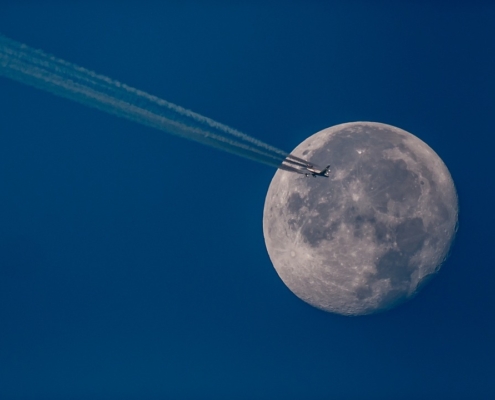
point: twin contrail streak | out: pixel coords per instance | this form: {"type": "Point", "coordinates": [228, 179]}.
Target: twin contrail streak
{"type": "Point", "coordinates": [36, 68]}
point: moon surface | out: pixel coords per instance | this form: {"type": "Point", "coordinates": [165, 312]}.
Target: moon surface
{"type": "Point", "coordinates": [369, 236]}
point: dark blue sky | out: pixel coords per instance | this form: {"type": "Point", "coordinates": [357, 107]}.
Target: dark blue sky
{"type": "Point", "coordinates": [132, 263]}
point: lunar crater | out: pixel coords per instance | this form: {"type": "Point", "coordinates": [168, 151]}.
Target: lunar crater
{"type": "Point", "coordinates": [369, 236]}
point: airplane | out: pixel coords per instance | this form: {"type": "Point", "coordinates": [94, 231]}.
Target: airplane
{"type": "Point", "coordinates": [312, 170]}
{"type": "Point", "coordinates": [303, 167]}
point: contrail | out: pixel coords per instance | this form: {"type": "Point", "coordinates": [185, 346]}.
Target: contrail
{"type": "Point", "coordinates": [36, 68]}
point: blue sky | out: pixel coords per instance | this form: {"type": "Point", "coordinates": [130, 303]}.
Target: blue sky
{"type": "Point", "coordinates": [132, 263]}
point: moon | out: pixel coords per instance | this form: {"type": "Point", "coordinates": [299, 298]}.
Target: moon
{"type": "Point", "coordinates": [368, 237]}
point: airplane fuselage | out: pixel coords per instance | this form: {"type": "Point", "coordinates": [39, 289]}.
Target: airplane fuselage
{"type": "Point", "coordinates": [318, 172]}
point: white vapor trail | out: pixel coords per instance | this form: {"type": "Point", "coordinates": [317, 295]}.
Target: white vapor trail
{"type": "Point", "coordinates": [36, 68]}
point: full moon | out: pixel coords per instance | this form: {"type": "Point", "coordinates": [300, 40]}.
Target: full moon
{"type": "Point", "coordinates": [369, 236]}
